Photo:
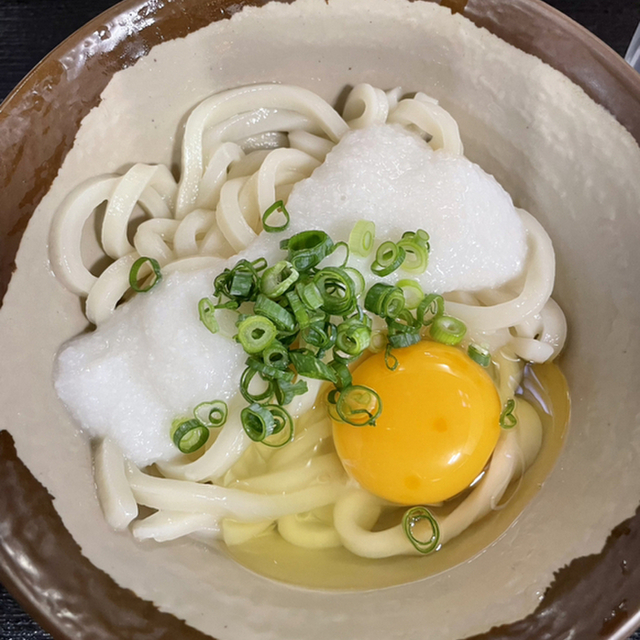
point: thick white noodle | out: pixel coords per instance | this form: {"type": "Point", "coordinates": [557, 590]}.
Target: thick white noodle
{"type": "Point", "coordinates": [163, 526]}
{"type": "Point", "coordinates": [226, 104]}
{"type": "Point", "coordinates": [216, 173]}
{"type": "Point", "coordinates": [195, 497]}
{"type": "Point", "coordinates": [154, 237]}
{"type": "Point", "coordinates": [194, 224]}
{"type": "Point", "coordinates": [365, 106]}
{"type": "Point", "coordinates": [109, 288]}
{"type": "Point", "coordinates": [425, 114]}
{"type": "Point", "coordinates": [65, 236]}
{"type": "Point", "coordinates": [315, 146]}
{"type": "Point", "coordinates": [325, 468]}
{"type": "Point", "coordinates": [310, 530]}
{"type": "Point", "coordinates": [116, 498]}
{"type": "Point", "coordinates": [127, 193]}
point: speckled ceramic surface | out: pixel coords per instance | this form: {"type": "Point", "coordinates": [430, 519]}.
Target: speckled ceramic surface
{"type": "Point", "coordinates": [558, 153]}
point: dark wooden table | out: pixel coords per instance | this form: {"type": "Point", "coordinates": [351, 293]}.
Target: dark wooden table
{"type": "Point", "coordinates": [29, 29]}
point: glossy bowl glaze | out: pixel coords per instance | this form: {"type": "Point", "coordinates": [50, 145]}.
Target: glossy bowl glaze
{"type": "Point", "coordinates": [74, 591]}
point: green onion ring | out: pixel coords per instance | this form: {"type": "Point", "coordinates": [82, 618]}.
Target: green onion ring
{"type": "Point", "coordinates": [283, 430]}
{"type": "Point", "coordinates": [256, 333]}
{"type": "Point", "coordinates": [447, 330]}
{"type": "Point", "coordinates": [361, 237]}
{"type": "Point", "coordinates": [413, 293]}
{"type": "Point", "coordinates": [206, 313]}
{"type": "Point", "coordinates": [337, 291]}
{"type": "Point", "coordinates": [357, 279]}
{"type": "Point", "coordinates": [507, 419]}
{"type": "Point", "coordinates": [135, 268]}
{"type": "Point", "coordinates": [189, 435]}
{"type": "Point", "coordinates": [278, 279]}
{"type": "Point", "coordinates": [212, 414]}
{"type": "Point", "coordinates": [389, 257]}
{"type": "Point", "coordinates": [390, 359]}
{"type": "Point", "coordinates": [384, 300]}
{"type": "Point", "coordinates": [274, 312]}
{"type": "Point", "coordinates": [353, 337]}
{"type": "Point", "coordinates": [276, 206]}
{"type": "Point", "coordinates": [276, 355]}
{"type": "Point", "coordinates": [257, 421]}
{"type": "Point", "coordinates": [245, 380]}
{"type": "Point", "coordinates": [479, 354]}
{"type": "Point", "coordinates": [430, 307]}
{"type": "Point", "coordinates": [416, 258]}
{"type": "Point", "coordinates": [411, 518]}
{"type": "Point", "coordinates": [359, 406]}
{"type": "Point", "coordinates": [307, 249]}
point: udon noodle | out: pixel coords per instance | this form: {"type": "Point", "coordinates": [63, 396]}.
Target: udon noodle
{"type": "Point", "coordinates": [243, 150]}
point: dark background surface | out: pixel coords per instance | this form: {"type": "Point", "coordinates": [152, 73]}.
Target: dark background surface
{"type": "Point", "coordinates": [29, 29]}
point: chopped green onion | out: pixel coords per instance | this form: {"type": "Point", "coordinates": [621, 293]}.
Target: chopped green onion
{"type": "Point", "coordinates": [359, 406]}
{"type": "Point", "coordinates": [390, 359]}
{"type": "Point", "coordinates": [135, 269]}
{"type": "Point", "coordinates": [339, 245]}
{"type": "Point", "coordinates": [430, 308]}
{"type": "Point", "coordinates": [479, 354]}
{"type": "Point", "coordinates": [402, 335]}
{"type": "Point", "coordinates": [307, 249]}
{"type": "Point", "coordinates": [256, 333]}
{"type": "Point", "coordinates": [206, 312]}
{"type": "Point", "coordinates": [413, 293]}
{"type": "Point", "coordinates": [447, 330]}
{"type": "Point", "coordinates": [276, 355]}
{"type": "Point", "coordinates": [411, 518]}
{"type": "Point", "coordinates": [420, 237]}
{"type": "Point", "coordinates": [507, 419]}
{"type": "Point", "coordinates": [389, 257]}
{"type": "Point", "coordinates": [276, 280]}
{"type": "Point", "coordinates": [353, 337]}
{"type": "Point", "coordinates": [309, 294]}
{"type": "Point", "coordinates": [268, 372]}
{"type": "Point", "coordinates": [274, 312]}
{"type": "Point", "coordinates": [299, 310]}
{"type": "Point", "coordinates": [283, 430]}
{"type": "Point", "coordinates": [286, 391]}
{"type": "Point", "coordinates": [245, 382]}
{"type": "Point", "coordinates": [343, 373]}
{"type": "Point", "coordinates": [240, 284]}
{"type": "Point", "coordinates": [189, 435]}
{"type": "Point", "coordinates": [357, 279]}
{"type": "Point", "coordinates": [384, 300]}
{"type": "Point", "coordinates": [259, 264]}
{"type": "Point", "coordinates": [307, 365]}
{"type": "Point", "coordinates": [417, 256]}
{"type": "Point", "coordinates": [276, 206]}
{"type": "Point", "coordinates": [320, 334]}
{"type": "Point", "coordinates": [337, 291]}
{"type": "Point", "coordinates": [361, 237]}
{"type": "Point", "coordinates": [257, 421]}
{"type": "Point", "coordinates": [212, 414]}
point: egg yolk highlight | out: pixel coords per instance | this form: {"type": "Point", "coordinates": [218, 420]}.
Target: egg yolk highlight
{"type": "Point", "coordinates": [439, 425]}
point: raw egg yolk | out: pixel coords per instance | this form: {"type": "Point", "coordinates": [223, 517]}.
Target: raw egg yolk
{"type": "Point", "coordinates": [439, 425]}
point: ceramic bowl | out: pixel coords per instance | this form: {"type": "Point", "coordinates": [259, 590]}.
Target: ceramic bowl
{"type": "Point", "coordinates": [542, 104]}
